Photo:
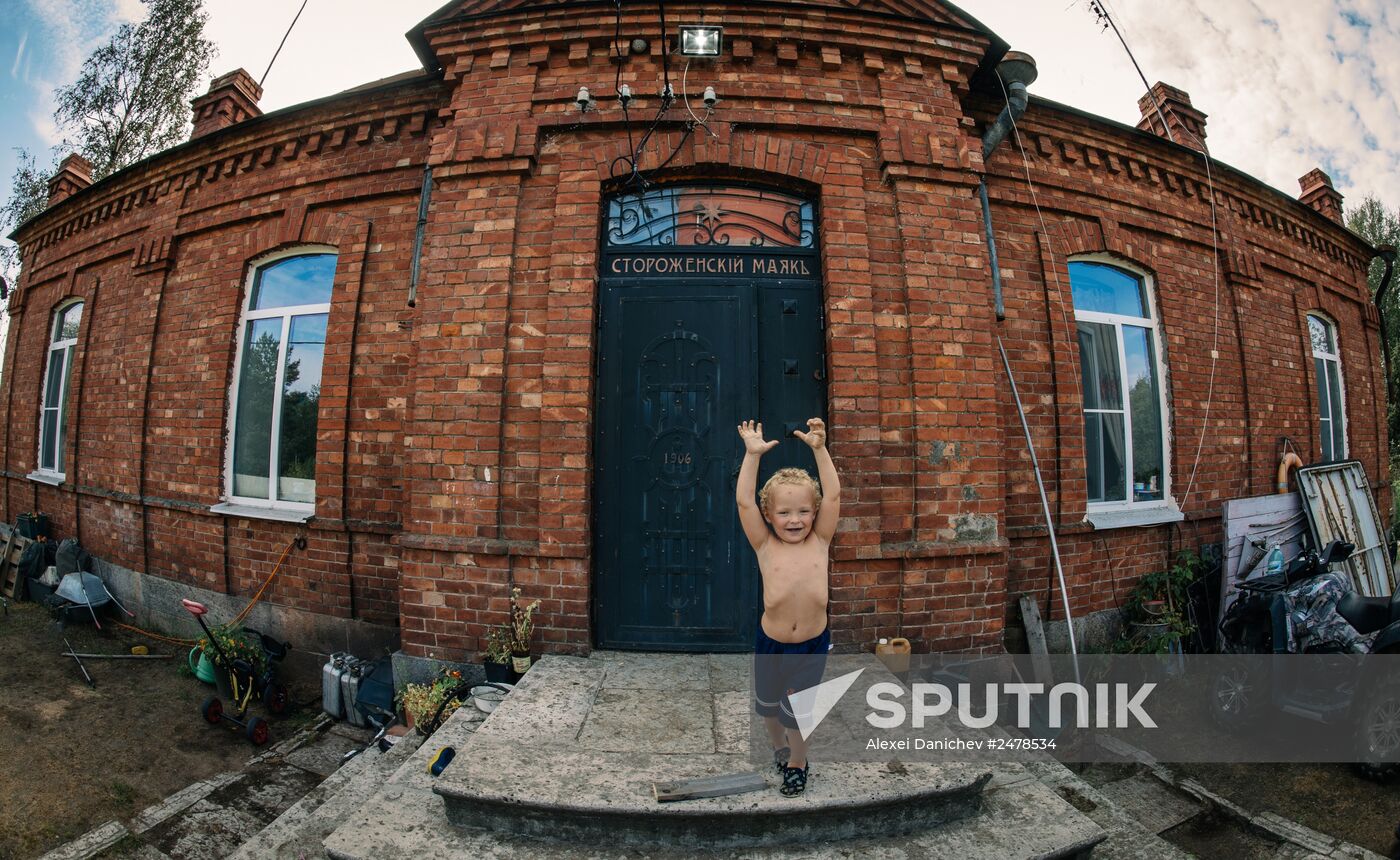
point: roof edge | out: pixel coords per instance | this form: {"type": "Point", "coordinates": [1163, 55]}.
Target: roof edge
{"type": "Point", "coordinates": [389, 83]}
{"type": "Point", "coordinates": [1195, 154]}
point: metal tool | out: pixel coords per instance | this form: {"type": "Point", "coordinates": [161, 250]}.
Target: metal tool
{"type": "Point", "coordinates": [81, 667]}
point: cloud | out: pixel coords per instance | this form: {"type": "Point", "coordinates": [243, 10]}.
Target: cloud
{"type": "Point", "coordinates": [1296, 86]}
{"type": "Point", "coordinates": [19, 54]}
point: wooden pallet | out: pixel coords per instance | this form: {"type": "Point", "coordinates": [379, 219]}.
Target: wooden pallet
{"type": "Point", "coordinates": [9, 564]}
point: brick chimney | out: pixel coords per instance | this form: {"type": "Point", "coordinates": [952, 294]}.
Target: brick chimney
{"type": "Point", "coordinates": [1188, 125]}
{"type": "Point", "coordinates": [1319, 194]}
{"type": "Point", "coordinates": [74, 174]}
{"type": "Point", "coordinates": [231, 99]}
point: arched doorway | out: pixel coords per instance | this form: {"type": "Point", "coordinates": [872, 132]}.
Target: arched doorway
{"type": "Point", "coordinates": [709, 313]}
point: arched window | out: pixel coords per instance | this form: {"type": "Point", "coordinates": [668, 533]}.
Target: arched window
{"type": "Point", "coordinates": [58, 370]}
{"type": "Point", "coordinates": [277, 383]}
{"type": "Point", "coordinates": [1331, 398]}
{"type": "Point", "coordinates": [1125, 440]}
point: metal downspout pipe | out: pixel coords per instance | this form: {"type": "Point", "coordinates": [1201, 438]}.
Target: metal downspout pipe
{"type": "Point", "coordinates": [1386, 253]}
{"type": "Point", "coordinates": [425, 197]}
{"type": "Point", "coordinates": [1016, 71]}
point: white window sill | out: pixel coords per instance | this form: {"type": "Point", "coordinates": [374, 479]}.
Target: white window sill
{"type": "Point", "coordinates": [283, 515]}
{"type": "Point", "coordinates": [1122, 518]}
{"type": "Point", "coordinates": [47, 478]}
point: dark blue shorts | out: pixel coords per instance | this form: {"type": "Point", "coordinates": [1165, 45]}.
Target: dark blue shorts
{"type": "Point", "coordinates": [783, 668]}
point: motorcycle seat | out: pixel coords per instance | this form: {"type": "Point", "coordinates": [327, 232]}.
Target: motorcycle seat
{"type": "Point", "coordinates": [1365, 614]}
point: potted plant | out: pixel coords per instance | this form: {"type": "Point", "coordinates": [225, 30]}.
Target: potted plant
{"type": "Point", "coordinates": [522, 626]}
{"type": "Point", "coordinates": [233, 644]}
{"type": "Point", "coordinates": [498, 655]}
{"type": "Point", "coordinates": [420, 702]}
{"type": "Point", "coordinates": [1156, 609]}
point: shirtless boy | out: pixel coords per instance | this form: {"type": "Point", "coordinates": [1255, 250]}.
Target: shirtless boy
{"type": "Point", "coordinates": [792, 639]}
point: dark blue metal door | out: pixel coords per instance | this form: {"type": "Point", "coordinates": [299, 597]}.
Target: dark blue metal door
{"type": "Point", "coordinates": [693, 340]}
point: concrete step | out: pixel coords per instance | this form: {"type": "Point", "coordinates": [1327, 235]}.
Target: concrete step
{"type": "Point", "coordinates": [584, 796]}
{"type": "Point", "coordinates": [1018, 818]}
{"type": "Point", "coordinates": [298, 832]}
{"type": "Point", "coordinates": [1126, 837]}
{"type": "Point", "coordinates": [519, 789]}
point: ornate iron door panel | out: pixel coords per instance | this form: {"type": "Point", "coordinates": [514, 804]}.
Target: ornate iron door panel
{"type": "Point", "coordinates": [676, 369]}
{"type": "Point", "coordinates": [709, 314]}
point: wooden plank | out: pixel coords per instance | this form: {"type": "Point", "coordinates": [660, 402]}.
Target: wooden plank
{"type": "Point", "coordinates": [1276, 520]}
{"type": "Point", "coordinates": [1035, 637]}
{"type": "Point", "coordinates": [708, 786]}
{"type": "Point", "coordinates": [9, 573]}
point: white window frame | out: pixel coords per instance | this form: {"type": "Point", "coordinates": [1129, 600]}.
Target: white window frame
{"type": "Point", "coordinates": [68, 348]}
{"type": "Point", "coordinates": [270, 507]}
{"type": "Point", "coordinates": [1334, 358]}
{"type": "Point", "coordinates": [1156, 510]}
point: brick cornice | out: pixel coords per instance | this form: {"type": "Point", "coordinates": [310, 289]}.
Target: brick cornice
{"type": "Point", "coordinates": [268, 144]}
{"type": "Point", "coordinates": [1069, 158]}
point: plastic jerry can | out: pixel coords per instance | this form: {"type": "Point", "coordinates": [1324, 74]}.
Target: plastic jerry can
{"type": "Point", "coordinates": [332, 701]}
{"type": "Point", "coordinates": [894, 653]}
{"type": "Point", "coordinates": [350, 691]}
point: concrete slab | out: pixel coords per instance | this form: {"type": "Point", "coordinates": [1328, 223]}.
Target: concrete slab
{"type": "Point", "coordinates": [657, 721]}
{"type": "Point", "coordinates": [90, 844]}
{"type": "Point", "coordinates": [732, 710]}
{"type": "Point", "coordinates": [550, 704]}
{"type": "Point", "coordinates": [205, 832]}
{"type": "Point", "coordinates": [627, 671]}
{"type": "Point", "coordinates": [267, 791]}
{"type": "Point", "coordinates": [546, 774]}
{"type": "Point", "coordinates": [729, 672]}
{"type": "Point", "coordinates": [181, 800]}
{"type": "Point", "coordinates": [324, 757]}
{"type": "Point", "coordinates": [1156, 807]}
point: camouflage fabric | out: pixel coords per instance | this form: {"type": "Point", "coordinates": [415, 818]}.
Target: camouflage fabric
{"type": "Point", "coordinates": [1313, 620]}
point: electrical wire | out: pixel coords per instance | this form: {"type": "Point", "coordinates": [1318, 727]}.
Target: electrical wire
{"type": "Point", "coordinates": [237, 619]}
{"type": "Point", "coordinates": [685, 98]}
{"type": "Point", "coordinates": [1103, 14]}
{"type": "Point", "coordinates": [283, 42]}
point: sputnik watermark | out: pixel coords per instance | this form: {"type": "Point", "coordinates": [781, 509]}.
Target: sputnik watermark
{"type": "Point", "coordinates": [1100, 706]}
{"type": "Point", "coordinates": [1114, 706]}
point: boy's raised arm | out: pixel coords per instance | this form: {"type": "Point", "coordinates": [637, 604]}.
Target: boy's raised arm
{"type": "Point", "coordinates": [755, 529]}
{"type": "Point", "coordinates": [830, 513]}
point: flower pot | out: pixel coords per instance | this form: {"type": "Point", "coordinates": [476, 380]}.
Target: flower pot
{"type": "Point", "coordinates": [501, 673]}
{"type": "Point", "coordinates": [519, 665]}
{"type": "Point", "coordinates": [200, 664]}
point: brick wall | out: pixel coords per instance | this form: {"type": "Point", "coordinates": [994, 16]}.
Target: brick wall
{"type": "Point", "coordinates": [454, 445]}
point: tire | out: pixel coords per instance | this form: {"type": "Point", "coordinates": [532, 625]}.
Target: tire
{"type": "Point", "coordinates": [274, 697]}
{"type": "Point", "coordinates": [1378, 731]}
{"type": "Point", "coordinates": [258, 731]}
{"type": "Point", "coordinates": [1235, 696]}
{"type": "Point", "coordinates": [212, 710]}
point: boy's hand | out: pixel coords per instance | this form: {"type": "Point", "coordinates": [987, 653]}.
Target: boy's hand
{"type": "Point", "coordinates": [752, 434]}
{"type": "Point", "coordinates": [815, 435]}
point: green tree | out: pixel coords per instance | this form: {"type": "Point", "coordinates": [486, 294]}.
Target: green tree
{"type": "Point", "coordinates": [29, 189]}
{"type": "Point", "coordinates": [1375, 223]}
{"type": "Point", "coordinates": [131, 100]}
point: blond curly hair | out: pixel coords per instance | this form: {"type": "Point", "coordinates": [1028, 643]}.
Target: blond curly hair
{"type": "Point", "coordinates": [793, 477]}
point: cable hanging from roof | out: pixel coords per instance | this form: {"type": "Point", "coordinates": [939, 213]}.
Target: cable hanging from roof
{"type": "Point", "coordinates": [283, 42]}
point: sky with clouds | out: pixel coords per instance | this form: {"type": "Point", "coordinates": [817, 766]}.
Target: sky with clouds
{"type": "Point", "coordinates": [1288, 85]}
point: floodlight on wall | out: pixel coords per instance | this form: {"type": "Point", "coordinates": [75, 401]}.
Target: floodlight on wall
{"type": "Point", "coordinates": [701, 40]}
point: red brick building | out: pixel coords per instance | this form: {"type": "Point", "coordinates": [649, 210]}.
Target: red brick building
{"type": "Point", "coordinates": [538, 387]}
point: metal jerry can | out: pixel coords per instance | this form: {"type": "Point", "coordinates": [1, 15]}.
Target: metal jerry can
{"type": "Point", "coordinates": [332, 702]}
{"type": "Point", "coordinates": [350, 690]}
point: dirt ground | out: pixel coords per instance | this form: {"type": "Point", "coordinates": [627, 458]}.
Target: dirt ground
{"type": "Point", "coordinates": [1331, 798]}
{"type": "Point", "coordinates": [75, 757]}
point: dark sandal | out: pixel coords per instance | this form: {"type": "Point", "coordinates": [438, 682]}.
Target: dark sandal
{"type": "Point", "coordinates": [794, 780]}
{"type": "Point", "coordinates": [780, 758]}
